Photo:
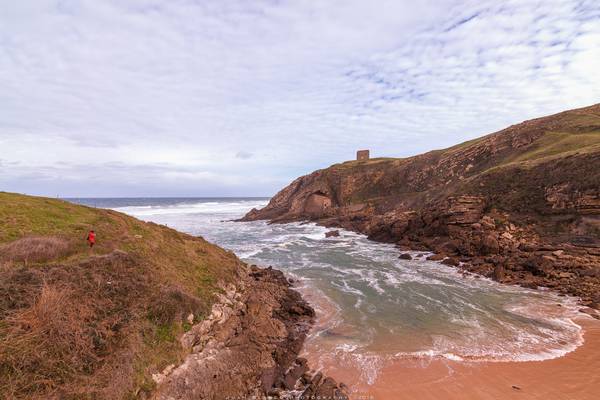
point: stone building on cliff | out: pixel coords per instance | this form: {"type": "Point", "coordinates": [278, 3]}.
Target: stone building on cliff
{"type": "Point", "coordinates": [362, 155]}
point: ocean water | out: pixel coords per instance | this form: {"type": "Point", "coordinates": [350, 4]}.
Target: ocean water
{"type": "Point", "coordinates": [373, 307]}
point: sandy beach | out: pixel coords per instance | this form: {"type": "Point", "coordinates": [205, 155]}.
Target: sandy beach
{"type": "Point", "coordinates": [574, 376]}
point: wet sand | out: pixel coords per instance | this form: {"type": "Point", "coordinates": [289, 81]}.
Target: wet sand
{"type": "Point", "coordinates": [575, 376]}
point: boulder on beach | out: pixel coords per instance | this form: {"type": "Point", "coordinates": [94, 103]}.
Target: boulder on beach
{"type": "Point", "coordinates": [436, 257]}
{"type": "Point", "coordinates": [452, 261]}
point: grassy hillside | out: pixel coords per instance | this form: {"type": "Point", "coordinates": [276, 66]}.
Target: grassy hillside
{"type": "Point", "coordinates": [77, 323]}
{"type": "Point", "coordinates": [569, 132]}
{"type": "Point", "coordinates": [531, 143]}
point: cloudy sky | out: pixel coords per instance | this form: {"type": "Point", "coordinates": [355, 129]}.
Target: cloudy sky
{"type": "Point", "coordinates": [237, 98]}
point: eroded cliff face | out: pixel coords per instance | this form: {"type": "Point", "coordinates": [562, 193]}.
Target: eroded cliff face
{"type": "Point", "coordinates": [248, 347]}
{"type": "Point", "coordinates": [521, 205]}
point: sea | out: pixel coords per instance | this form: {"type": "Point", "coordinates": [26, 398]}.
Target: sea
{"type": "Point", "coordinates": [372, 307]}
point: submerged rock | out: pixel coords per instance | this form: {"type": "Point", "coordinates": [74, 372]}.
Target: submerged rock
{"type": "Point", "coordinates": [453, 261]}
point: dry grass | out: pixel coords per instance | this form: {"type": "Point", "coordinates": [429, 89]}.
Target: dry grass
{"type": "Point", "coordinates": [79, 326]}
{"type": "Point", "coordinates": [172, 304]}
{"type": "Point", "coordinates": [45, 344]}
{"type": "Point", "coordinates": [81, 331]}
{"type": "Point", "coordinates": [35, 249]}
{"type": "Point", "coordinates": [62, 324]}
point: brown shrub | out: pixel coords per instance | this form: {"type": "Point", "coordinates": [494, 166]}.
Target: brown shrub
{"type": "Point", "coordinates": [44, 345]}
{"type": "Point", "coordinates": [35, 249]}
{"type": "Point", "coordinates": [171, 304]}
{"type": "Point", "coordinates": [63, 327]}
{"type": "Point", "coordinates": [77, 331]}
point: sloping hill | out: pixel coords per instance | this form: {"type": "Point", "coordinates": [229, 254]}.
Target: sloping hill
{"type": "Point", "coordinates": [150, 313]}
{"type": "Point", "coordinates": [508, 203]}
{"type": "Point", "coordinates": [81, 324]}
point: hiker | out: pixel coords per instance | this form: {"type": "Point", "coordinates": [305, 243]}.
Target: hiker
{"type": "Point", "coordinates": [91, 238]}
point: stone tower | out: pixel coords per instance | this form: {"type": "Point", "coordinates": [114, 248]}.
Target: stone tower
{"type": "Point", "coordinates": [362, 155]}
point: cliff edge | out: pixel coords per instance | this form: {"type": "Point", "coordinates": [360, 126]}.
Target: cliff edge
{"type": "Point", "coordinates": [521, 205]}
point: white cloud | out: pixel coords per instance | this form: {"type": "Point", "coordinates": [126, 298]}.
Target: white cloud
{"type": "Point", "coordinates": [203, 97]}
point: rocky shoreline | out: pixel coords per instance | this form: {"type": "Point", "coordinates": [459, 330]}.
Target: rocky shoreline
{"type": "Point", "coordinates": [486, 244]}
{"type": "Point", "coordinates": [248, 347]}
{"type": "Point", "coordinates": [491, 245]}
{"type": "Point", "coordinates": [520, 206]}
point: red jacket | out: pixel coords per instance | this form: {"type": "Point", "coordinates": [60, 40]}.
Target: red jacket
{"type": "Point", "coordinates": [91, 237]}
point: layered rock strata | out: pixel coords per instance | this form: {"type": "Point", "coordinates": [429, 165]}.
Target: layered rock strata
{"type": "Point", "coordinates": [521, 205]}
{"type": "Point", "coordinates": [249, 346]}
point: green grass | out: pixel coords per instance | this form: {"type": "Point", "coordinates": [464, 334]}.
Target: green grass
{"type": "Point", "coordinates": [353, 164]}
{"type": "Point", "coordinates": [21, 215]}
{"type": "Point", "coordinates": [166, 333]}
{"type": "Point", "coordinates": [553, 145]}
{"type": "Point", "coordinates": [178, 256]}
{"type": "Point", "coordinates": [557, 143]}
{"type": "Point", "coordinates": [465, 144]}
{"type": "Point", "coordinates": [165, 260]}
{"type": "Point", "coordinates": [579, 131]}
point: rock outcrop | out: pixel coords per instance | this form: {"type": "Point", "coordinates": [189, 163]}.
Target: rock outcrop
{"type": "Point", "coordinates": [248, 347]}
{"type": "Point", "coordinates": [521, 205]}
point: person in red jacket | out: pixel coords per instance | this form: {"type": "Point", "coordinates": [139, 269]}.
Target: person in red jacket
{"type": "Point", "coordinates": [91, 238]}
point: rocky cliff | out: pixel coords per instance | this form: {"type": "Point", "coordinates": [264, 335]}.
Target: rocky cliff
{"type": "Point", "coordinates": [521, 205]}
{"type": "Point", "coordinates": [248, 347]}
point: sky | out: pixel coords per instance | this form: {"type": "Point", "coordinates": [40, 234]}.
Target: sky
{"type": "Point", "coordinates": [128, 98]}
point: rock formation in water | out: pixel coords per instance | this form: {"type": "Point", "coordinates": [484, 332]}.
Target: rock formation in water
{"type": "Point", "coordinates": [521, 205]}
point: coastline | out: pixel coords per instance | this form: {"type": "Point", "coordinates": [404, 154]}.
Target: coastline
{"type": "Point", "coordinates": [500, 205]}
{"type": "Point", "coordinates": [588, 299]}
{"type": "Point", "coordinates": [572, 376]}
{"type": "Point", "coordinates": [413, 378]}
{"type": "Point", "coordinates": [248, 347]}
{"type": "Point", "coordinates": [568, 376]}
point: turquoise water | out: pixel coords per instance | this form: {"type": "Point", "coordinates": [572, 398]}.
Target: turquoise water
{"type": "Point", "coordinates": [373, 307]}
